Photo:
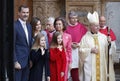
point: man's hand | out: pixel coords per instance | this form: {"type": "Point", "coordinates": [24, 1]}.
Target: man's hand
{"type": "Point", "coordinates": [17, 66]}
{"type": "Point", "coordinates": [94, 50]}
{"type": "Point", "coordinates": [75, 45]}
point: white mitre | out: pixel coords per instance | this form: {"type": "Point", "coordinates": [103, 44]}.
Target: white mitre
{"type": "Point", "coordinates": [93, 18]}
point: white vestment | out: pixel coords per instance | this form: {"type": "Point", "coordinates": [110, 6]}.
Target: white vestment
{"type": "Point", "coordinates": [75, 58]}
{"type": "Point", "coordinates": [88, 60]}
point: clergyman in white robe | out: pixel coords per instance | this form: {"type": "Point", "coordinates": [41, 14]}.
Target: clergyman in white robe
{"type": "Point", "coordinates": [88, 66]}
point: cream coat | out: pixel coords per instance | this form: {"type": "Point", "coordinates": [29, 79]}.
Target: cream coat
{"type": "Point", "coordinates": [88, 60]}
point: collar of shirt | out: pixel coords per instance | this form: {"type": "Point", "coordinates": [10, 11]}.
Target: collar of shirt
{"type": "Point", "coordinates": [72, 25]}
{"type": "Point", "coordinates": [22, 22]}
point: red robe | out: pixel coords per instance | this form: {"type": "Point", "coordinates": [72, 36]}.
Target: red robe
{"type": "Point", "coordinates": [57, 64]}
{"type": "Point", "coordinates": [105, 31]}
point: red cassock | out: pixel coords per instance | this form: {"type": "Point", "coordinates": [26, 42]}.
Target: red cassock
{"type": "Point", "coordinates": [57, 64]}
{"type": "Point", "coordinates": [105, 31]}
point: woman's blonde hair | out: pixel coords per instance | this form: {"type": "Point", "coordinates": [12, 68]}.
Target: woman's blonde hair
{"type": "Point", "coordinates": [37, 40]}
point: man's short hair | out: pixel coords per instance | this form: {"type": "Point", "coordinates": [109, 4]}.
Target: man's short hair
{"type": "Point", "coordinates": [51, 20]}
{"type": "Point", "coordinates": [72, 13]}
{"type": "Point", "coordinates": [22, 6]}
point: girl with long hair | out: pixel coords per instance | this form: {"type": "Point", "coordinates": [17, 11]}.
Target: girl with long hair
{"type": "Point", "coordinates": [40, 60]}
{"type": "Point", "coordinates": [57, 58]}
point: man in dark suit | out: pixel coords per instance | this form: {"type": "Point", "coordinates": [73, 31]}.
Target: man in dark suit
{"type": "Point", "coordinates": [22, 44]}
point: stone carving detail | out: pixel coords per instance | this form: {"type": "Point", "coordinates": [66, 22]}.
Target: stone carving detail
{"type": "Point", "coordinates": [45, 9]}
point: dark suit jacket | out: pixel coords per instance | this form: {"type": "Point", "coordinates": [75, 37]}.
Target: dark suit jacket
{"type": "Point", "coordinates": [21, 47]}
